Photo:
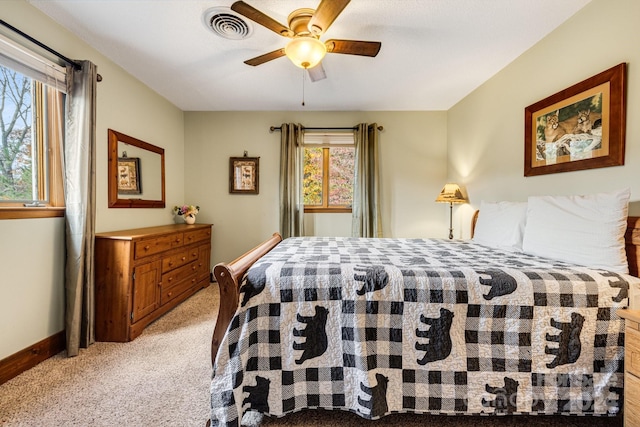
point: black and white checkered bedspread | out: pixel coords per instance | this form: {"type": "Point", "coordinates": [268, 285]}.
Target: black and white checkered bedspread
{"type": "Point", "coordinates": [377, 326]}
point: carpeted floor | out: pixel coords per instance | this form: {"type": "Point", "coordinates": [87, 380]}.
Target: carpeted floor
{"type": "Point", "coordinates": [162, 379]}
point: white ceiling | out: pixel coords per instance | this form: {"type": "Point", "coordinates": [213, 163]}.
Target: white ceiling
{"type": "Point", "coordinates": [434, 52]}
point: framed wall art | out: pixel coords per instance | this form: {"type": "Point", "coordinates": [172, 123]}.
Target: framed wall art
{"type": "Point", "coordinates": [244, 175]}
{"type": "Point", "coordinates": [129, 175]}
{"type": "Point", "coordinates": [581, 127]}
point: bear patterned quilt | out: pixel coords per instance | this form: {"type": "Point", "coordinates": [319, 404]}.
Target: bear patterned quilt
{"type": "Point", "coordinates": [380, 326]}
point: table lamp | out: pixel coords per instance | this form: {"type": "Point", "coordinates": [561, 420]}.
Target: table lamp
{"type": "Point", "coordinates": [451, 194]}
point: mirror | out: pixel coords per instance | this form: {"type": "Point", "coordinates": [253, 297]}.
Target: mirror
{"type": "Point", "coordinates": [136, 173]}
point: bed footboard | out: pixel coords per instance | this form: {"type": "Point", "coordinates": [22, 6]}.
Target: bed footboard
{"type": "Point", "coordinates": [229, 278]}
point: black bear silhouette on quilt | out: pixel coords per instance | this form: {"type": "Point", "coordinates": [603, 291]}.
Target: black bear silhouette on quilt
{"type": "Point", "coordinates": [501, 283]}
{"type": "Point", "coordinates": [374, 277]}
{"type": "Point", "coordinates": [506, 401]}
{"type": "Point", "coordinates": [619, 283]}
{"type": "Point", "coordinates": [255, 283]}
{"type": "Point", "coordinates": [376, 396]}
{"type": "Point", "coordinates": [315, 334]}
{"type": "Point", "coordinates": [258, 394]}
{"type": "Point", "coordinates": [569, 345]}
{"type": "Point", "coordinates": [439, 345]}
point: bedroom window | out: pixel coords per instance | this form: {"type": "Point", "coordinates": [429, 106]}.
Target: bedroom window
{"type": "Point", "coordinates": [31, 131]}
{"type": "Point", "coordinates": [328, 172]}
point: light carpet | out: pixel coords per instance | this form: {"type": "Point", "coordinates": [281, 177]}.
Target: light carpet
{"type": "Point", "coordinates": [162, 379]}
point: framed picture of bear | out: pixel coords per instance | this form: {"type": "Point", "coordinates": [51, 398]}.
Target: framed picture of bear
{"type": "Point", "coordinates": [581, 127]}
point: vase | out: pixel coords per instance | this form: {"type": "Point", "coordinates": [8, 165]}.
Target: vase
{"type": "Point", "coordinates": [190, 219]}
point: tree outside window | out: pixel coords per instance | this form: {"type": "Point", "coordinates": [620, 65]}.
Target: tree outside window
{"type": "Point", "coordinates": [16, 148]}
{"type": "Point", "coordinates": [328, 175]}
{"type": "Point", "coordinates": [30, 147]}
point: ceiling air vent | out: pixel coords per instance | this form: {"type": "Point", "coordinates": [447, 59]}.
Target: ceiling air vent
{"type": "Point", "coordinates": [225, 23]}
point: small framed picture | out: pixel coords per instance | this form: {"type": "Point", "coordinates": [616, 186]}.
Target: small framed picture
{"type": "Point", "coordinates": [244, 175]}
{"type": "Point", "coordinates": [129, 175]}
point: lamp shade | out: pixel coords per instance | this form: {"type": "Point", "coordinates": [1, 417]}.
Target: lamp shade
{"type": "Point", "coordinates": [451, 193]}
{"type": "Point", "coordinates": [305, 51]}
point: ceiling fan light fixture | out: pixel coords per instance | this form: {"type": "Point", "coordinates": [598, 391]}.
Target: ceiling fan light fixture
{"type": "Point", "coordinates": [305, 51]}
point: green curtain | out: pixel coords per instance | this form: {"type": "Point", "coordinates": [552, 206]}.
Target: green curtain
{"type": "Point", "coordinates": [80, 202]}
{"type": "Point", "coordinates": [291, 167]}
{"type": "Point", "coordinates": [366, 187]}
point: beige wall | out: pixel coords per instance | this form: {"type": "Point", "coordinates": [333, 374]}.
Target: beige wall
{"type": "Point", "coordinates": [478, 143]}
{"type": "Point", "coordinates": [486, 129]}
{"type": "Point", "coordinates": [412, 164]}
{"type": "Point", "coordinates": [32, 251]}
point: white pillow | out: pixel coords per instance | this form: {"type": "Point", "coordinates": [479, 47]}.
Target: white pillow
{"type": "Point", "coordinates": [501, 225]}
{"type": "Point", "coordinates": [586, 230]}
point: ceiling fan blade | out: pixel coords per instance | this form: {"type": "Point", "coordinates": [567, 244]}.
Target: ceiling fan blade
{"type": "Point", "coordinates": [317, 73]}
{"type": "Point", "coordinates": [353, 47]}
{"type": "Point", "coordinates": [325, 14]}
{"type": "Point", "coordinates": [260, 18]}
{"type": "Point", "coordinates": [265, 58]}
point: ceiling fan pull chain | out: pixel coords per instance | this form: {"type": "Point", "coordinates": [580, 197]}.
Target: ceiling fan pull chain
{"type": "Point", "coordinates": [303, 70]}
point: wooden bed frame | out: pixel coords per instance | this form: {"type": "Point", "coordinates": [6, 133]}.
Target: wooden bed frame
{"type": "Point", "coordinates": [229, 275]}
{"type": "Point", "coordinates": [229, 278]}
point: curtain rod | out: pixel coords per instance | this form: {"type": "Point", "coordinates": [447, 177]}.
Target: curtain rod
{"type": "Point", "coordinates": [42, 45]}
{"type": "Point", "coordinates": [274, 128]}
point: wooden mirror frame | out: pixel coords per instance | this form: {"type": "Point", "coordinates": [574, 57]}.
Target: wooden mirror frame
{"type": "Point", "coordinates": [114, 201]}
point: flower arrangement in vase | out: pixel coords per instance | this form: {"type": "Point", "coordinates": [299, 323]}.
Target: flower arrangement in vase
{"type": "Point", "coordinates": [188, 212]}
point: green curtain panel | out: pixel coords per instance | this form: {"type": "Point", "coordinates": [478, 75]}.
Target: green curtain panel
{"type": "Point", "coordinates": [366, 220]}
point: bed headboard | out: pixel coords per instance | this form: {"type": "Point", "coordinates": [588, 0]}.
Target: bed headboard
{"type": "Point", "coordinates": [632, 242]}
{"type": "Point", "coordinates": [631, 237]}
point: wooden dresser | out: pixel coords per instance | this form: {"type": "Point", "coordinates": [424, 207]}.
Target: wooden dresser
{"type": "Point", "coordinates": [631, 367]}
{"type": "Point", "coordinates": [142, 273]}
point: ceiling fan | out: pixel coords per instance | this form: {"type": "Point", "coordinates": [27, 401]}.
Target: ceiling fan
{"type": "Point", "coordinates": [305, 28]}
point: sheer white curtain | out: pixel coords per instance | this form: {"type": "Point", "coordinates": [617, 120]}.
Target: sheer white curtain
{"type": "Point", "coordinates": [365, 210]}
{"type": "Point", "coordinates": [291, 167]}
{"type": "Point", "coordinates": [79, 173]}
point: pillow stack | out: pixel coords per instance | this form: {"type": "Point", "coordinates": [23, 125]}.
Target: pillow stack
{"type": "Point", "coordinates": [587, 230]}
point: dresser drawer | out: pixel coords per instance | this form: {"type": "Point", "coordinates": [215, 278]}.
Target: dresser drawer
{"type": "Point", "coordinates": [168, 294]}
{"type": "Point", "coordinates": [197, 236]}
{"type": "Point", "coordinates": [156, 245]}
{"type": "Point", "coordinates": [179, 259]}
{"type": "Point", "coordinates": [632, 351]}
{"type": "Point", "coordinates": [178, 281]}
{"type": "Point", "coordinates": [176, 276]}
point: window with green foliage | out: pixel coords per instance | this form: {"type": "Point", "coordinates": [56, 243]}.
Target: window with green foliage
{"type": "Point", "coordinates": [30, 158]}
{"type": "Point", "coordinates": [17, 151]}
{"type": "Point", "coordinates": [328, 172]}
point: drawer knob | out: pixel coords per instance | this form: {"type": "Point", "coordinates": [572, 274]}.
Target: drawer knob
{"type": "Point", "coordinates": [169, 294]}
{"type": "Point", "coordinates": [170, 279]}
{"type": "Point", "coordinates": [146, 248]}
{"type": "Point", "coordinates": [170, 262]}
{"type": "Point", "coordinates": [183, 258]}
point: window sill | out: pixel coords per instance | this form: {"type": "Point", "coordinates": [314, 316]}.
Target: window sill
{"type": "Point", "coordinates": [25, 213]}
{"type": "Point", "coordinates": [327, 210]}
